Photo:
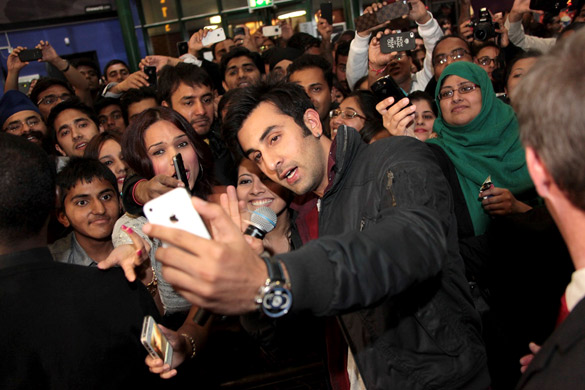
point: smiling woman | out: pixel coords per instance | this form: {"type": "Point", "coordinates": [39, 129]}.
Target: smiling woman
{"type": "Point", "coordinates": [479, 133]}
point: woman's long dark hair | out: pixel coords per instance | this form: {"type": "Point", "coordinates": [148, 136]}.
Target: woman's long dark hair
{"type": "Point", "coordinates": [136, 156]}
{"type": "Point", "coordinates": [92, 150]}
{"type": "Point", "coordinates": [373, 123]}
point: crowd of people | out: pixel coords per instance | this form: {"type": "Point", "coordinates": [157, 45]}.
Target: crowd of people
{"type": "Point", "coordinates": [428, 239]}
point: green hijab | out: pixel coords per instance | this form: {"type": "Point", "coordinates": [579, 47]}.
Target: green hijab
{"type": "Point", "coordinates": [488, 145]}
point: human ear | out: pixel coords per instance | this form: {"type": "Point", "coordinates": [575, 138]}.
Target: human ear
{"type": "Point", "coordinates": [60, 150]}
{"type": "Point", "coordinates": [62, 218]}
{"type": "Point", "coordinates": [313, 122]}
{"type": "Point", "coordinates": [164, 103]}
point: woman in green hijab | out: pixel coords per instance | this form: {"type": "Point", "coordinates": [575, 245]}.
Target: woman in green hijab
{"type": "Point", "coordinates": [479, 133]}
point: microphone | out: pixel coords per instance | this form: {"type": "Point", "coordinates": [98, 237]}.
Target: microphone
{"type": "Point", "coordinates": [262, 221]}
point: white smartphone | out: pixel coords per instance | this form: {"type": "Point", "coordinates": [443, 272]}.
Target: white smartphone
{"type": "Point", "coordinates": [213, 36]}
{"type": "Point", "coordinates": [271, 31]}
{"type": "Point", "coordinates": [155, 341]}
{"type": "Point", "coordinates": [174, 209]}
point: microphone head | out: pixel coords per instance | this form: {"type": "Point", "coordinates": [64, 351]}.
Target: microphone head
{"type": "Point", "coordinates": [264, 218]}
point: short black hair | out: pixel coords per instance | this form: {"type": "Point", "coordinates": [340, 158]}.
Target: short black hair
{"type": "Point", "coordinates": [303, 41]}
{"type": "Point", "coordinates": [241, 51]}
{"type": "Point", "coordinates": [312, 61]}
{"type": "Point", "coordinates": [170, 77]}
{"type": "Point", "coordinates": [135, 95]}
{"type": "Point", "coordinates": [44, 83]}
{"type": "Point", "coordinates": [104, 102]}
{"type": "Point", "coordinates": [114, 62]}
{"type": "Point", "coordinates": [373, 123]}
{"type": "Point", "coordinates": [288, 98]}
{"type": "Point", "coordinates": [523, 55]}
{"type": "Point", "coordinates": [83, 169]}
{"type": "Point", "coordinates": [27, 193]}
{"type": "Point", "coordinates": [87, 62]}
{"type": "Point", "coordinates": [342, 49]}
{"type": "Point", "coordinates": [71, 104]}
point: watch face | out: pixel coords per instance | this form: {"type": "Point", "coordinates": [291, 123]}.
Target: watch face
{"type": "Point", "coordinates": [277, 301]}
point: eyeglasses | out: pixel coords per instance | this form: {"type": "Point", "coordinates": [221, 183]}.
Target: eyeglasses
{"type": "Point", "coordinates": [51, 99]}
{"type": "Point", "coordinates": [398, 57]}
{"type": "Point", "coordinates": [103, 119]}
{"type": "Point", "coordinates": [345, 114]}
{"type": "Point", "coordinates": [15, 127]}
{"type": "Point", "coordinates": [486, 61]}
{"type": "Point", "coordinates": [463, 89]}
{"type": "Point", "coordinates": [455, 55]}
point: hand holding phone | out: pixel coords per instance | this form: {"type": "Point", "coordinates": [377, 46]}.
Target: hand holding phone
{"type": "Point", "coordinates": [402, 41]}
{"type": "Point", "coordinates": [396, 10]}
{"type": "Point", "coordinates": [28, 55]}
{"type": "Point", "coordinates": [182, 48]}
{"type": "Point", "coordinates": [155, 341]}
{"type": "Point", "coordinates": [150, 72]}
{"type": "Point", "coordinates": [174, 209]}
{"type": "Point", "coordinates": [213, 36]}
{"type": "Point", "coordinates": [327, 12]}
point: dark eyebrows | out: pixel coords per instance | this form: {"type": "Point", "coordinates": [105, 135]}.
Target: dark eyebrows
{"type": "Point", "coordinates": [268, 130]}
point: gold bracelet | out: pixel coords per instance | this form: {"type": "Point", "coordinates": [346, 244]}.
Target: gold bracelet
{"type": "Point", "coordinates": [152, 286]}
{"type": "Point", "coordinates": [191, 341]}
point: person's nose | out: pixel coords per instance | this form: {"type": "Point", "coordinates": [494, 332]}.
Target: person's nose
{"type": "Point", "coordinates": [257, 187]}
{"type": "Point", "coordinates": [98, 207]}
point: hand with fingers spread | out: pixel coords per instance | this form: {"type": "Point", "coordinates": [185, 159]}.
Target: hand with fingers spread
{"type": "Point", "coordinates": [500, 201]}
{"type": "Point", "coordinates": [132, 258]}
{"type": "Point", "coordinates": [160, 184]}
{"type": "Point", "coordinates": [240, 215]}
{"type": "Point", "coordinates": [398, 119]}
{"type": "Point", "coordinates": [223, 274]}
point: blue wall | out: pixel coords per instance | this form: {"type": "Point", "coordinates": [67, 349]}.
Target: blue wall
{"type": "Point", "coordinates": [104, 36]}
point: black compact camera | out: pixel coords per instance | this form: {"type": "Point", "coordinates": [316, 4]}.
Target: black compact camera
{"type": "Point", "coordinates": [483, 26]}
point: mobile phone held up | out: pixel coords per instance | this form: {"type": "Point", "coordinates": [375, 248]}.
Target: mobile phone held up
{"type": "Point", "coordinates": [213, 36]}
{"type": "Point", "coordinates": [402, 41]}
{"type": "Point", "coordinates": [155, 341]}
{"type": "Point", "coordinates": [327, 12]}
{"type": "Point", "coordinates": [175, 210]}
{"type": "Point", "coordinates": [385, 87]}
{"type": "Point", "coordinates": [150, 72]}
{"type": "Point", "coordinates": [271, 31]}
{"type": "Point", "coordinates": [29, 55]}
{"type": "Point", "coordinates": [387, 13]}
{"type": "Point", "coordinates": [182, 48]}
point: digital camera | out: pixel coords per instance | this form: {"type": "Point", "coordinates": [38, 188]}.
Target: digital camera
{"type": "Point", "coordinates": [483, 26]}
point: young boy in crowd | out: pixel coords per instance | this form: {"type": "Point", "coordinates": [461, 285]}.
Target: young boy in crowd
{"type": "Point", "coordinates": [90, 205]}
